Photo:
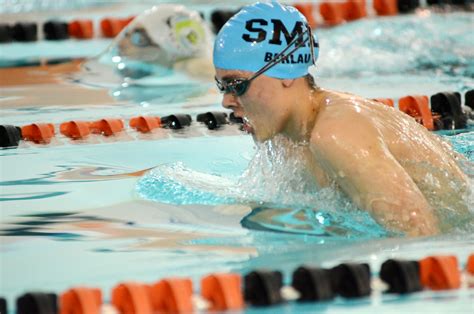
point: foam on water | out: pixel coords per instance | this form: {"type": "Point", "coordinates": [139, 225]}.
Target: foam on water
{"type": "Point", "coordinates": [177, 184]}
{"type": "Point", "coordinates": [426, 42]}
{"type": "Point", "coordinates": [464, 144]}
{"type": "Point", "coordinates": [272, 178]}
{"type": "Point", "coordinates": [283, 195]}
{"type": "Point", "coordinates": [275, 176]}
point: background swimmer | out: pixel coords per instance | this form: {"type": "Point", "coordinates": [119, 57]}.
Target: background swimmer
{"type": "Point", "coordinates": [389, 165]}
{"type": "Point", "coordinates": [164, 37]}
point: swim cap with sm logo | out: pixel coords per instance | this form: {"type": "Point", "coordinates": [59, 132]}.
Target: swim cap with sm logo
{"type": "Point", "coordinates": [257, 33]}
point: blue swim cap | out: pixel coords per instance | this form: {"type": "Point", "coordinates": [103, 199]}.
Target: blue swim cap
{"type": "Point", "coordinates": [257, 33]}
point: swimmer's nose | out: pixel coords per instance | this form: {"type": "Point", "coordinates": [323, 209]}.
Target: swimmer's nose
{"type": "Point", "coordinates": [230, 102]}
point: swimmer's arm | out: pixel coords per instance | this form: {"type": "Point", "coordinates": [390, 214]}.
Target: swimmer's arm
{"type": "Point", "coordinates": [358, 160]}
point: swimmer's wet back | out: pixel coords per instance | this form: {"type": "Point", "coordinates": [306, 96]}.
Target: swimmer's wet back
{"type": "Point", "coordinates": [380, 158]}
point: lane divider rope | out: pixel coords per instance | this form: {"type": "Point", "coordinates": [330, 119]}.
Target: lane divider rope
{"type": "Point", "coordinates": [259, 288]}
{"type": "Point", "coordinates": [445, 113]}
{"type": "Point", "coordinates": [324, 14]}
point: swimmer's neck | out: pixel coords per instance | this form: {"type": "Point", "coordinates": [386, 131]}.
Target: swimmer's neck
{"type": "Point", "coordinates": [305, 107]}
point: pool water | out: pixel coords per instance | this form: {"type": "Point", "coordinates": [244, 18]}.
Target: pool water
{"type": "Point", "coordinates": [179, 203]}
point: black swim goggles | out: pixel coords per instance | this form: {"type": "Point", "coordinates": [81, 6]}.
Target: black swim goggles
{"type": "Point", "coordinates": [238, 86]}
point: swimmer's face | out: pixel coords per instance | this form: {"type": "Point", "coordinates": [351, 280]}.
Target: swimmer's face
{"type": "Point", "coordinates": [263, 104]}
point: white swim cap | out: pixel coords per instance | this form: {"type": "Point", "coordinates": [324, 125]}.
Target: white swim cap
{"type": "Point", "coordinates": [180, 32]}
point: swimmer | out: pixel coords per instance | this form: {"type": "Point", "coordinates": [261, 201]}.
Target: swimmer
{"type": "Point", "coordinates": [384, 161]}
{"type": "Point", "coordinates": [168, 36]}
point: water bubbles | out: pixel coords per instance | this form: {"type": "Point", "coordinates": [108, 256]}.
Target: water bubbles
{"type": "Point", "coordinates": [176, 184]}
{"type": "Point", "coordinates": [278, 174]}
{"type": "Point", "coordinates": [276, 184]}
{"type": "Point", "coordinates": [116, 59]}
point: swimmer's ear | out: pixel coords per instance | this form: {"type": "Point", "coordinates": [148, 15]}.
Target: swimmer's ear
{"type": "Point", "coordinates": [287, 82]}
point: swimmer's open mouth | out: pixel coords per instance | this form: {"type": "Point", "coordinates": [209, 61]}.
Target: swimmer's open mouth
{"type": "Point", "coordinates": [247, 127]}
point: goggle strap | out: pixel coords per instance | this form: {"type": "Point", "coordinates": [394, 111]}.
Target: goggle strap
{"type": "Point", "coordinates": [280, 56]}
{"type": "Point", "coordinates": [311, 42]}
{"type": "Point", "coordinates": [277, 61]}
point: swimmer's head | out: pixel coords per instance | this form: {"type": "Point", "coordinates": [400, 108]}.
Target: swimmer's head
{"type": "Point", "coordinates": [262, 56]}
{"type": "Point", "coordinates": [163, 35]}
{"type": "Point", "coordinates": [259, 32]}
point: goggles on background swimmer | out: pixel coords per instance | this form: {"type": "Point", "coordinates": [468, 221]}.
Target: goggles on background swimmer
{"type": "Point", "coordinates": [238, 86]}
{"type": "Point", "coordinates": [139, 37]}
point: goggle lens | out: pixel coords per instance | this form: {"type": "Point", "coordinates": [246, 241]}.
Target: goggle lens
{"type": "Point", "coordinates": [139, 38]}
{"type": "Point", "coordinates": [238, 87]}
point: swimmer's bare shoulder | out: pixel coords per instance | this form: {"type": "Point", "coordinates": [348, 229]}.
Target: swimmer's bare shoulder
{"type": "Point", "coordinates": [350, 148]}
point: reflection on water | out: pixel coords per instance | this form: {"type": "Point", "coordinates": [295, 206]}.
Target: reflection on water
{"type": "Point", "coordinates": [30, 196]}
{"type": "Point", "coordinates": [312, 222]}
{"type": "Point", "coordinates": [160, 94]}
{"type": "Point", "coordinates": [41, 225]}
{"type": "Point", "coordinates": [65, 175]}
{"type": "Point", "coordinates": [68, 173]}
{"type": "Point", "coordinates": [160, 86]}
{"type": "Point", "coordinates": [72, 226]}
